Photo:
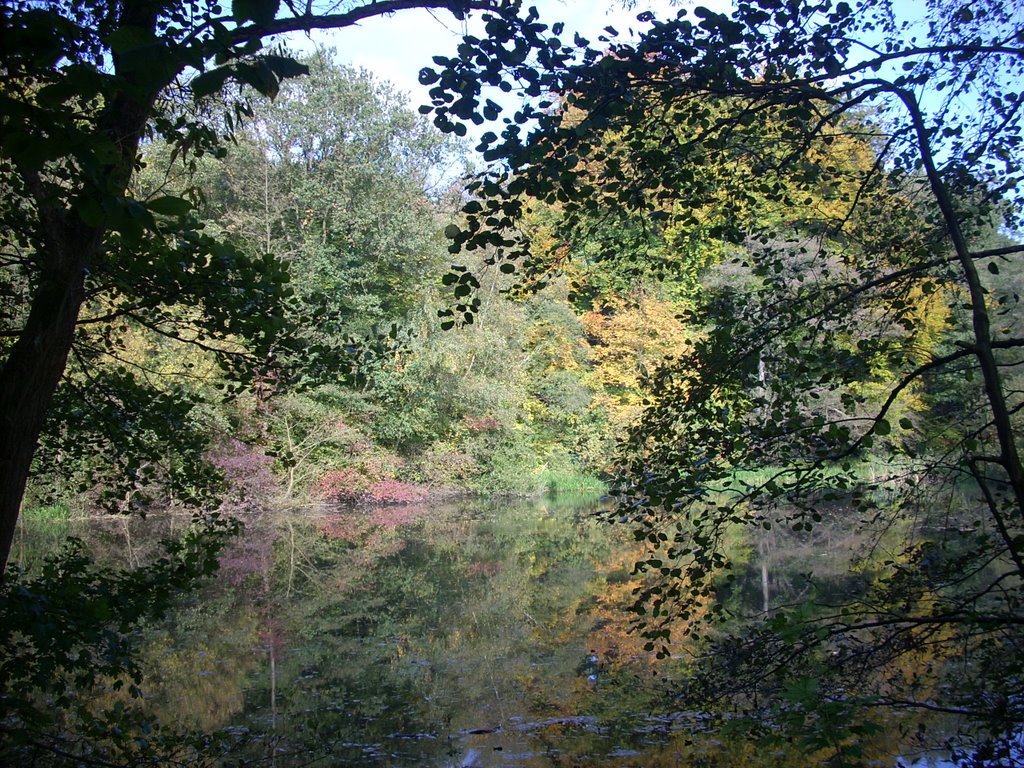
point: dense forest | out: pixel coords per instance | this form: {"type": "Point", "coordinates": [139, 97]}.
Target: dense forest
{"type": "Point", "coordinates": [751, 278]}
{"type": "Point", "coordinates": [346, 192]}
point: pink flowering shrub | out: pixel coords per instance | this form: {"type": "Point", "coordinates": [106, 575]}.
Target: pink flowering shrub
{"type": "Point", "coordinates": [371, 479]}
{"type": "Point", "coordinates": [341, 486]}
{"type": "Point", "coordinates": [247, 471]}
{"type": "Point", "coordinates": [395, 492]}
{"type": "Point", "coordinates": [350, 485]}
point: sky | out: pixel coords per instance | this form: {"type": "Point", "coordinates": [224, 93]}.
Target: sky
{"type": "Point", "coordinates": [395, 48]}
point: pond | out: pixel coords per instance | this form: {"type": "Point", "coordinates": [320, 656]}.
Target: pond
{"type": "Point", "coordinates": [482, 633]}
{"type": "Point", "coordinates": [470, 634]}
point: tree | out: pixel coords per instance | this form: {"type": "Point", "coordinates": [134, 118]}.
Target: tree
{"type": "Point", "coordinates": [85, 84]}
{"type": "Point", "coordinates": [839, 306]}
{"type": "Point", "coordinates": [342, 180]}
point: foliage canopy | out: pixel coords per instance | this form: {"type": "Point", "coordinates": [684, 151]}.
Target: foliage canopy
{"type": "Point", "coordinates": [859, 349]}
{"type": "Point", "coordinates": [829, 190]}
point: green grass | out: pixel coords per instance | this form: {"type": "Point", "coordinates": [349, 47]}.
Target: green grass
{"type": "Point", "coordinates": [48, 513]}
{"type": "Point", "coordinates": [560, 482]}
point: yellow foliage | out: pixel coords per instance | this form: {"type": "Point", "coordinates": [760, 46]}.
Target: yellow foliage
{"type": "Point", "coordinates": [164, 361]}
{"type": "Point", "coordinates": [629, 339]}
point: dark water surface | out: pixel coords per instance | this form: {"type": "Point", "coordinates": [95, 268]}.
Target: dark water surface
{"type": "Point", "coordinates": [466, 634]}
{"type": "Point", "coordinates": [469, 634]}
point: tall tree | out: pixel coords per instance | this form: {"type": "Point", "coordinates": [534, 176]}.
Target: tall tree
{"type": "Point", "coordinates": [342, 180]}
{"type": "Point", "coordinates": [84, 83]}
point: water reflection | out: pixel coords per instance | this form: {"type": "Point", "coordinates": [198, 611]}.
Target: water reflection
{"type": "Point", "coordinates": [474, 634]}
{"type": "Point", "coordinates": [466, 635]}
{"type": "Point", "coordinates": [455, 636]}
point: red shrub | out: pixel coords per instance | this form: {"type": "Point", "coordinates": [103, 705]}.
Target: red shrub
{"type": "Point", "coordinates": [395, 492]}
{"type": "Point", "coordinates": [345, 485]}
{"type": "Point", "coordinates": [484, 424]}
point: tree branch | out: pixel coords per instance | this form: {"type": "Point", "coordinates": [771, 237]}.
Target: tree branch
{"type": "Point", "coordinates": [310, 21]}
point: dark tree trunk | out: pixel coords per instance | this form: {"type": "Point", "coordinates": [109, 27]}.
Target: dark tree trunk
{"type": "Point", "coordinates": [67, 248]}
{"type": "Point", "coordinates": [35, 365]}
{"type": "Point", "coordinates": [1006, 519]}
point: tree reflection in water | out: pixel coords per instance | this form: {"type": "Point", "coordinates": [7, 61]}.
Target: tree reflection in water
{"type": "Point", "coordinates": [471, 634]}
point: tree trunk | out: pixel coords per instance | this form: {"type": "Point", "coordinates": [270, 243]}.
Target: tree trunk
{"type": "Point", "coordinates": [765, 584]}
{"type": "Point", "coordinates": [1009, 455]}
{"type": "Point", "coordinates": [34, 368]}
{"type": "Point", "coordinates": [66, 248]}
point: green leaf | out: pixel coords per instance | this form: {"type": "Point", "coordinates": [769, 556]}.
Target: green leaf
{"type": "Point", "coordinates": [169, 205]}
{"type": "Point", "coordinates": [125, 39]}
{"type": "Point", "coordinates": [90, 211]}
{"type": "Point", "coordinates": [285, 66]}
{"type": "Point", "coordinates": [210, 82]}
{"type": "Point", "coordinates": [259, 11]}
{"type": "Point", "coordinates": [260, 77]}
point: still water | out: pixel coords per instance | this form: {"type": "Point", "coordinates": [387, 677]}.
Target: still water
{"type": "Point", "coordinates": [469, 634]}
{"type": "Point", "coordinates": [472, 634]}
{"type": "Point", "coordinates": [480, 634]}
